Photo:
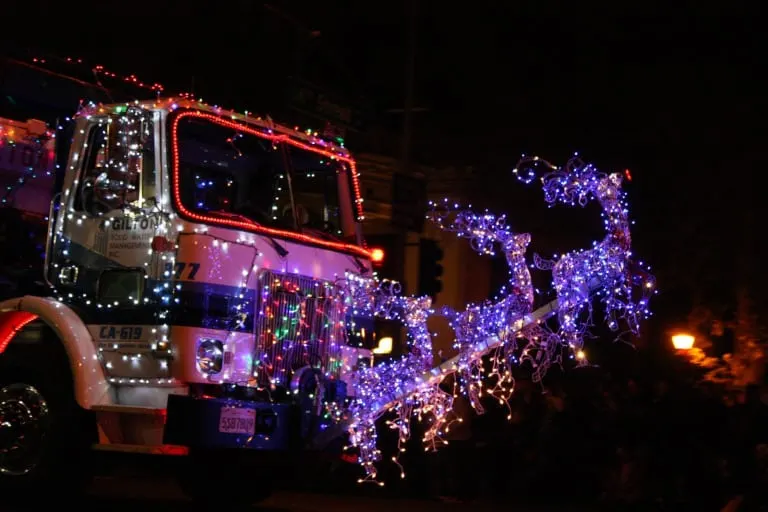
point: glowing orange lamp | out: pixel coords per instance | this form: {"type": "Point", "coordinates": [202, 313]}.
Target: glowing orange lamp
{"type": "Point", "coordinates": [683, 341]}
{"type": "Point", "coordinates": [377, 255]}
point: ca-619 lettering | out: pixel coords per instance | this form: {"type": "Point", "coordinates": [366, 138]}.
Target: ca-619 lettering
{"type": "Point", "coordinates": [112, 332]}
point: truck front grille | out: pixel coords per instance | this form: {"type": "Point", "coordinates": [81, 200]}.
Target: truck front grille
{"type": "Point", "coordinates": [299, 322]}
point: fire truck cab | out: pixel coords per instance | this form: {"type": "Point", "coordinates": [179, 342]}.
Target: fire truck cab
{"type": "Point", "coordinates": [194, 257]}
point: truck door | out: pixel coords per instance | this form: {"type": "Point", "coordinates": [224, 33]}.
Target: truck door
{"type": "Point", "coordinates": [104, 262]}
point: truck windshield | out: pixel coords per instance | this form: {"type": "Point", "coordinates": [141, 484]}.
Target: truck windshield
{"type": "Point", "coordinates": [235, 174]}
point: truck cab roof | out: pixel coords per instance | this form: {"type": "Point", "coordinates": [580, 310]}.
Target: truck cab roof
{"type": "Point", "coordinates": [265, 123]}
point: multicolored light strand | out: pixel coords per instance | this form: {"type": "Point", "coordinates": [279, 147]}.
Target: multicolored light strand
{"type": "Point", "coordinates": [100, 71]}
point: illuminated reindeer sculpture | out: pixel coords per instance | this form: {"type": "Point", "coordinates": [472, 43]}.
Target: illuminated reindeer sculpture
{"type": "Point", "coordinates": [410, 388]}
{"type": "Point", "coordinates": [401, 386]}
{"type": "Point", "coordinates": [395, 386]}
{"type": "Point", "coordinates": [606, 269]}
{"type": "Point", "coordinates": [490, 320]}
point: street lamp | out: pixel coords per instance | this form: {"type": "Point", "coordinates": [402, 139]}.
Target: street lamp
{"type": "Point", "coordinates": [682, 341]}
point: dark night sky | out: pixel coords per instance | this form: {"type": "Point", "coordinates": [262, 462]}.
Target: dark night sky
{"type": "Point", "coordinates": [676, 95]}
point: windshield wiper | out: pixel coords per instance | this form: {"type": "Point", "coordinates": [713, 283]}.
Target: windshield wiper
{"type": "Point", "coordinates": [233, 215]}
{"type": "Point", "coordinates": [282, 251]}
{"type": "Point", "coordinates": [322, 234]}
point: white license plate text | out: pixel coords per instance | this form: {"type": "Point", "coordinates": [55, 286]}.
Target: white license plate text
{"type": "Point", "coordinates": [237, 421]}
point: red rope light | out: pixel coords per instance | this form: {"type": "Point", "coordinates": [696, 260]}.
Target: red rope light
{"type": "Point", "coordinates": [247, 226]}
{"type": "Point", "coordinates": [11, 323]}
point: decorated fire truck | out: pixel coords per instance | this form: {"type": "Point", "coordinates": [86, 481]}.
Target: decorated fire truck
{"type": "Point", "coordinates": [181, 279]}
{"type": "Point", "coordinates": [193, 255]}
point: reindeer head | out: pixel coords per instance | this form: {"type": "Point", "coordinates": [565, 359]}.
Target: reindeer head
{"type": "Point", "coordinates": [575, 184]}
{"type": "Point", "coordinates": [609, 187]}
{"type": "Point", "coordinates": [516, 246]}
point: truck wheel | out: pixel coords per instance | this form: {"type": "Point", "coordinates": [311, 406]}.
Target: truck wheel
{"type": "Point", "coordinates": [44, 435]}
{"type": "Point", "coordinates": [209, 483]}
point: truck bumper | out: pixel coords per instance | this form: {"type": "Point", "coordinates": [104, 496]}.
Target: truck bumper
{"type": "Point", "coordinates": [213, 423]}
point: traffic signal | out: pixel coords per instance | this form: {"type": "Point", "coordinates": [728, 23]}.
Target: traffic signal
{"type": "Point", "coordinates": [430, 269]}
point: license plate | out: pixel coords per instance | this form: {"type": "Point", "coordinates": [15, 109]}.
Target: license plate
{"type": "Point", "coordinates": [237, 421]}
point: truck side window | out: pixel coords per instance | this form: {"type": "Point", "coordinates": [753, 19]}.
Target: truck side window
{"type": "Point", "coordinates": [121, 285]}
{"type": "Point", "coordinates": [148, 171]}
{"type": "Point", "coordinates": [94, 156]}
{"type": "Point", "coordinates": [112, 165]}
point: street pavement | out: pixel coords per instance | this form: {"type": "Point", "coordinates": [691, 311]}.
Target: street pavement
{"type": "Point", "coordinates": [119, 494]}
{"type": "Point", "coordinates": [152, 494]}
{"type": "Point", "coordinates": [145, 488]}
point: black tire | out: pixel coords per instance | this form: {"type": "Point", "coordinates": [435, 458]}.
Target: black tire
{"type": "Point", "coordinates": [63, 463]}
{"type": "Point", "coordinates": [210, 480]}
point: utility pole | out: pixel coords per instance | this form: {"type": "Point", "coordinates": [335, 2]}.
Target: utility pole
{"type": "Point", "coordinates": [410, 71]}
{"type": "Point", "coordinates": [409, 271]}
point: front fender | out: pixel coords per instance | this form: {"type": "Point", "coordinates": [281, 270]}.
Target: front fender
{"type": "Point", "coordinates": [91, 385]}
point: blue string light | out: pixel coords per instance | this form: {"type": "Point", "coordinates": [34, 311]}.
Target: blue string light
{"type": "Point", "coordinates": [500, 328]}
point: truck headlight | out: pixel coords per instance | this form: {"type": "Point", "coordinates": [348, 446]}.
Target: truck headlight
{"type": "Point", "coordinates": [210, 356]}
